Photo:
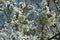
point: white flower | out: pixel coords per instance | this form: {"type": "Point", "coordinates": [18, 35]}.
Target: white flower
{"type": "Point", "coordinates": [12, 5]}
{"type": "Point", "coordinates": [6, 24]}
{"type": "Point", "coordinates": [51, 21]}
{"type": "Point", "coordinates": [8, 2]}
{"type": "Point", "coordinates": [14, 16]}
{"type": "Point", "coordinates": [16, 9]}
{"type": "Point", "coordinates": [16, 21]}
{"type": "Point", "coordinates": [20, 11]}
{"type": "Point", "coordinates": [22, 4]}
{"type": "Point", "coordinates": [47, 9]}
{"type": "Point", "coordinates": [30, 22]}
{"type": "Point", "coordinates": [12, 22]}
{"type": "Point", "coordinates": [29, 6]}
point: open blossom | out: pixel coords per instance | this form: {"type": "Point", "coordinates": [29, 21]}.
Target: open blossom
{"type": "Point", "coordinates": [8, 2]}
{"type": "Point", "coordinates": [16, 9]}
{"type": "Point", "coordinates": [22, 4]}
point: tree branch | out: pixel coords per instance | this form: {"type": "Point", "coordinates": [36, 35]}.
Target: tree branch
{"type": "Point", "coordinates": [54, 36]}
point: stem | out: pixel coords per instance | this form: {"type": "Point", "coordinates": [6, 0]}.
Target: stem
{"type": "Point", "coordinates": [42, 33]}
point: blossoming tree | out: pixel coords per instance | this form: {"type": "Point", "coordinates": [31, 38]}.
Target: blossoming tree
{"type": "Point", "coordinates": [29, 19]}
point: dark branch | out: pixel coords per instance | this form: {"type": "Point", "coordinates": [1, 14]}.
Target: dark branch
{"type": "Point", "coordinates": [54, 36]}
